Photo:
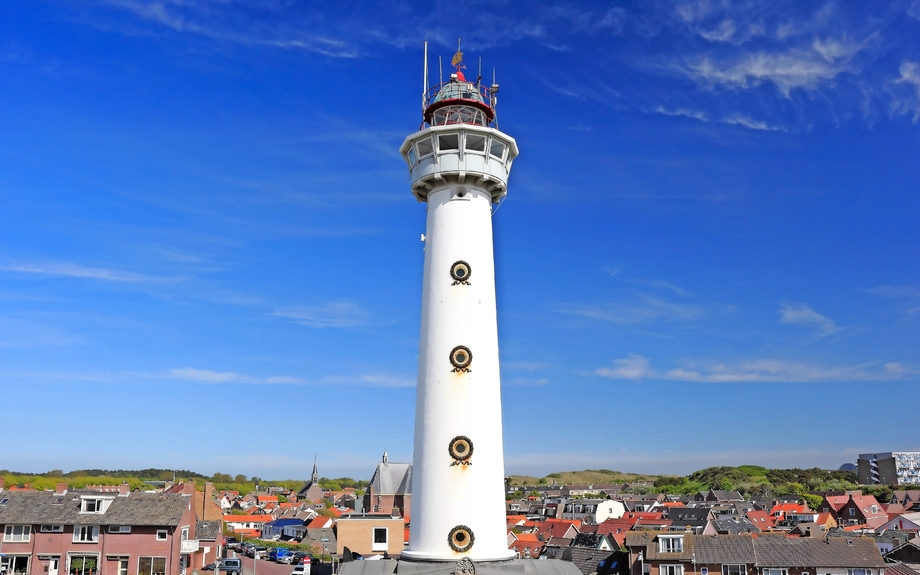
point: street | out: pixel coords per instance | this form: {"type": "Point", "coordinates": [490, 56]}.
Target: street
{"type": "Point", "coordinates": [264, 567]}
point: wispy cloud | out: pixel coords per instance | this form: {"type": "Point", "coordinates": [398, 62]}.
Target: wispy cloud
{"type": "Point", "coordinates": [83, 272]}
{"type": "Point", "coordinates": [637, 367]}
{"type": "Point", "coordinates": [740, 120]}
{"type": "Point", "coordinates": [905, 91]}
{"type": "Point", "coordinates": [214, 377]}
{"type": "Point", "coordinates": [335, 314]}
{"type": "Point", "coordinates": [793, 68]}
{"type": "Point", "coordinates": [647, 309]}
{"type": "Point", "coordinates": [907, 296]}
{"type": "Point", "coordinates": [373, 380]}
{"type": "Point", "coordinates": [803, 314]}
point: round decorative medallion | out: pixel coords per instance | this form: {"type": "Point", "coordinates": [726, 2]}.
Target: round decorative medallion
{"type": "Point", "coordinates": [461, 357]}
{"type": "Point", "coordinates": [461, 538]}
{"type": "Point", "coordinates": [460, 448]}
{"type": "Point", "coordinates": [461, 271]}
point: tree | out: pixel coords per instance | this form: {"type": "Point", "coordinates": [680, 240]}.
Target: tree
{"type": "Point", "coordinates": [239, 478]}
{"type": "Point", "coordinates": [535, 493]}
{"type": "Point", "coordinates": [813, 501]}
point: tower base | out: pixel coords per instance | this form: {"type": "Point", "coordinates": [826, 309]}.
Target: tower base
{"type": "Point", "coordinates": [510, 567]}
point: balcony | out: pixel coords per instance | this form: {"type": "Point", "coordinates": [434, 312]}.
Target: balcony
{"type": "Point", "coordinates": [188, 546]}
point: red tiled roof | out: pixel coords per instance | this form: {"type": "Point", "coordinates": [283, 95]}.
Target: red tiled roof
{"type": "Point", "coordinates": [248, 518]}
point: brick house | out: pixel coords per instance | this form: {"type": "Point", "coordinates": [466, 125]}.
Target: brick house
{"type": "Point", "coordinates": [669, 553]}
{"type": "Point", "coordinates": [91, 533]}
{"type": "Point", "coordinates": [854, 508]}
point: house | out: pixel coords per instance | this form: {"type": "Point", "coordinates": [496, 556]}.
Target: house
{"type": "Point", "coordinates": [903, 522]}
{"type": "Point", "coordinates": [730, 526]}
{"type": "Point", "coordinates": [693, 519]}
{"type": "Point", "coordinates": [247, 525]}
{"type": "Point", "coordinates": [669, 553]}
{"type": "Point", "coordinates": [854, 508]}
{"type": "Point", "coordinates": [760, 518]}
{"type": "Point", "coordinates": [91, 533]}
{"type": "Point", "coordinates": [370, 534]}
{"type": "Point", "coordinates": [527, 549]}
{"type": "Point", "coordinates": [390, 488]}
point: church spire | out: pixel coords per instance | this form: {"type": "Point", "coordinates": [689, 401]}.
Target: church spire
{"type": "Point", "coordinates": [315, 476]}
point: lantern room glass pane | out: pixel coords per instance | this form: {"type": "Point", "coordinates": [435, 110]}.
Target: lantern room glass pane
{"type": "Point", "coordinates": [475, 143]}
{"type": "Point", "coordinates": [497, 149]}
{"type": "Point", "coordinates": [448, 142]}
{"type": "Point", "coordinates": [424, 147]}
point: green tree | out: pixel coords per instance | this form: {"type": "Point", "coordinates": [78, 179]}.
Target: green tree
{"type": "Point", "coordinates": [239, 478]}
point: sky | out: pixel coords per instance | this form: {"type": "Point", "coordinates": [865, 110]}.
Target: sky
{"type": "Point", "coordinates": [210, 255]}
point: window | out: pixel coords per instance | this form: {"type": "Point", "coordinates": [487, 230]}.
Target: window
{"type": "Point", "coordinates": [15, 564]}
{"type": "Point", "coordinates": [52, 529]}
{"type": "Point", "coordinates": [858, 571]}
{"type": "Point", "coordinates": [58, 501]}
{"type": "Point", "coordinates": [94, 504]}
{"type": "Point", "coordinates": [411, 156]}
{"type": "Point", "coordinates": [852, 511]}
{"type": "Point", "coordinates": [122, 567]}
{"type": "Point", "coordinates": [775, 572]}
{"type": "Point", "coordinates": [151, 566]}
{"type": "Point", "coordinates": [671, 570]}
{"type": "Point", "coordinates": [874, 509]}
{"type": "Point", "coordinates": [424, 148]}
{"type": "Point", "coordinates": [448, 142]}
{"type": "Point", "coordinates": [17, 533]}
{"type": "Point", "coordinates": [475, 143]}
{"type": "Point", "coordinates": [85, 534]}
{"type": "Point", "coordinates": [83, 565]}
{"type": "Point", "coordinates": [734, 569]}
{"type": "Point", "coordinates": [161, 534]}
{"type": "Point", "coordinates": [671, 544]}
{"type": "Point", "coordinates": [380, 539]}
{"type": "Point", "coordinates": [184, 535]}
{"type": "Point", "coordinates": [497, 149]}
{"type": "Point", "coordinates": [119, 529]}
{"type": "Point", "coordinates": [4, 501]}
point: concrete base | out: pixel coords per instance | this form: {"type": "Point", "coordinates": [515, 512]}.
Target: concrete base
{"type": "Point", "coordinates": [511, 567]}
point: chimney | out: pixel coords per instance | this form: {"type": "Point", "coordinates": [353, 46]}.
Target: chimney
{"type": "Point", "coordinates": [124, 489]}
{"type": "Point", "coordinates": [59, 489]}
{"type": "Point", "coordinates": [209, 491]}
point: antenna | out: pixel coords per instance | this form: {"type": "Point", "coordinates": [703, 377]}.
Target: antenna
{"type": "Point", "coordinates": [440, 71]}
{"type": "Point", "coordinates": [479, 79]}
{"type": "Point", "coordinates": [425, 78]}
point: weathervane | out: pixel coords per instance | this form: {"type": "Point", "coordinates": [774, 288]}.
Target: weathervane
{"type": "Point", "coordinates": [457, 60]}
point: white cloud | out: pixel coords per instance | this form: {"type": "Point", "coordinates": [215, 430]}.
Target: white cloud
{"type": "Point", "coordinates": [636, 367]}
{"type": "Point", "coordinates": [632, 367]}
{"type": "Point", "coordinates": [694, 114]}
{"type": "Point", "coordinates": [740, 120]}
{"type": "Point", "coordinates": [208, 376]}
{"type": "Point", "coordinates": [905, 91]}
{"type": "Point", "coordinates": [914, 9]}
{"type": "Point", "coordinates": [78, 271]}
{"type": "Point", "coordinates": [335, 314]}
{"type": "Point", "coordinates": [805, 68]}
{"type": "Point", "coordinates": [648, 310]}
{"type": "Point", "coordinates": [802, 314]}
{"type": "Point", "coordinates": [721, 33]}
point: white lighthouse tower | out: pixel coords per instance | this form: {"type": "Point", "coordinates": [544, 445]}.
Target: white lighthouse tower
{"type": "Point", "coordinates": [459, 164]}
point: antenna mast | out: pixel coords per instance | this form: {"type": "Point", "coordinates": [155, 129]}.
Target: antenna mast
{"type": "Point", "coordinates": [440, 71]}
{"type": "Point", "coordinates": [425, 78]}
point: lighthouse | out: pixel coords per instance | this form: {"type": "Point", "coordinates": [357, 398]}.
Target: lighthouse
{"type": "Point", "coordinates": [459, 162]}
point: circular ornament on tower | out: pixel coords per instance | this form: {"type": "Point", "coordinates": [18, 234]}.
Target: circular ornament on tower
{"type": "Point", "coordinates": [461, 357]}
{"type": "Point", "coordinates": [461, 538]}
{"type": "Point", "coordinates": [461, 272]}
{"type": "Point", "coordinates": [461, 449]}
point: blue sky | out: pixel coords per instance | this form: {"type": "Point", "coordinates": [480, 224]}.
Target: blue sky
{"type": "Point", "coordinates": [708, 254]}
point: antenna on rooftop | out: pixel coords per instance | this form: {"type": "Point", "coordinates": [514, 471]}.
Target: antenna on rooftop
{"type": "Point", "coordinates": [440, 71]}
{"type": "Point", "coordinates": [479, 79]}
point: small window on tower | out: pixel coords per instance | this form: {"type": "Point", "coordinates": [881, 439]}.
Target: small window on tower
{"type": "Point", "coordinates": [424, 148]}
{"type": "Point", "coordinates": [411, 157]}
{"type": "Point", "coordinates": [497, 150]}
{"type": "Point", "coordinates": [475, 143]}
{"type": "Point", "coordinates": [448, 142]}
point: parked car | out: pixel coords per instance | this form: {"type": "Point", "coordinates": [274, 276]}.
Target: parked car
{"type": "Point", "coordinates": [231, 565]}
{"type": "Point", "coordinates": [301, 570]}
{"type": "Point", "coordinates": [209, 567]}
{"type": "Point", "coordinates": [278, 553]}
{"type": "Point", "coordinates": [228, 541]}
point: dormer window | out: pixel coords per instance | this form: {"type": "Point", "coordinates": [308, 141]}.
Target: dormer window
{"type": "Point", "coordinates": [670, 543]}
{"type": "Point", "coordinates": [91, 504]}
